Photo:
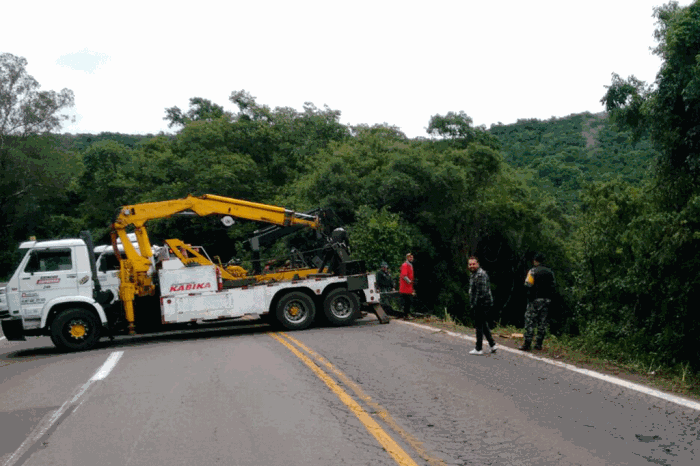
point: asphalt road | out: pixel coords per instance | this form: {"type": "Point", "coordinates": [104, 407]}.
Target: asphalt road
{"type": "Point", "coordinates": [369, 394]}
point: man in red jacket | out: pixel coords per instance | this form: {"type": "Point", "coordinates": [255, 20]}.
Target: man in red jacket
{"type": "Point", "coordinates": [406, 284]}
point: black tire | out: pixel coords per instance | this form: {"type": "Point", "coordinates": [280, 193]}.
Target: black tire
{"type": "Point", "coordinates": [75, 330]}
{"type": "Point", "coordinates": [296, 310]}
{"type": "Point", "coordinates": [341, 307]}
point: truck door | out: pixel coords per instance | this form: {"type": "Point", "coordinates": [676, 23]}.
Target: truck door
{"type": "Point", "coordinates": [108, 272]}
{"type": "Point", "coordinates": [48, 273]}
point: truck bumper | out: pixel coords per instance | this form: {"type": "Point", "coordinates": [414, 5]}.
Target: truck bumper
{"type": "Point", "coordinates": [12, 329]}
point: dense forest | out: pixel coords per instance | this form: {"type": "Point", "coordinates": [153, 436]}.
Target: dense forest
{"type": "Point", "coordinates": [612, 199]}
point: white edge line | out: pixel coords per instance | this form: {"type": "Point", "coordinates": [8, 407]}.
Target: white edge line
{"type": "Point", "coordinates": [608, 378]}
{"type": "Point", "coordinates": [107, 367]}
{"type": "Point", "coordinates": [44, 426]}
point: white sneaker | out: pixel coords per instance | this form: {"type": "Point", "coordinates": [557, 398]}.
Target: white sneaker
{"type": "Point", "coordinates": [477, 352]}
{"type": "Point", "coordinates": [491, 349]}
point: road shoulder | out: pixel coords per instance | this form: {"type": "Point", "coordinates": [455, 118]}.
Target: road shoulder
{"type": "Point", "coordinates": [578, 359]}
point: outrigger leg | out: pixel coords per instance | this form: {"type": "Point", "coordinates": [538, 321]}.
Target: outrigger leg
{"type": "Point", "coordinates": [379, 312]}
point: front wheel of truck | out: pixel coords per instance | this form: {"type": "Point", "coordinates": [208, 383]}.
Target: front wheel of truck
{"type": "Point", "coordinates": [75, 330]}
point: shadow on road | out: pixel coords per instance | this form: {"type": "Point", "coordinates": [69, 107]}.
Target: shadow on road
{"type": "Point", "coordinates": [184, 332]}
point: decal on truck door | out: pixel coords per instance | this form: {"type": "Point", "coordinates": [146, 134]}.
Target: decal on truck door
{"type": "Point", "coordinates": [47, 280]}
{"type": "Point", "coordinates": [31, 298]}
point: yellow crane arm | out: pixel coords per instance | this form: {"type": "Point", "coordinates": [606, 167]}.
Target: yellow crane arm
{"type": "Point", "coordinates": [209, 204]}
{"type": "Point", "coordinates": [137, 215]}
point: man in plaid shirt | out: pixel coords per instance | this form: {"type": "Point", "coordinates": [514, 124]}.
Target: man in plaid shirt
{"type": "Point", "coordinates": [481, 302]}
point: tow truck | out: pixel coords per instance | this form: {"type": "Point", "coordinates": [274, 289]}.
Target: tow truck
{"type": "Point", "coordinates": [57, 289]}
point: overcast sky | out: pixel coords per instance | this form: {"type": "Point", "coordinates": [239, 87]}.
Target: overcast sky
{"type": "Point", "coordinates": [379, 61]}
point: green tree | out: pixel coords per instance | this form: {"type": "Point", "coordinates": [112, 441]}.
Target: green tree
{"type": "Point", "coordinates": [662, 273]}
{"type": "Point", "coordinates": [669, 110]}
{"type": "Point", "coordinates": [108, 181]}
{"type": "Point", "coordinates": [205, 162]}
{"type": "Point", "coordinates": [280, 141]}
{"type": "Point", "coordinates": [379, 236]}
{"type": "Point", "coordinates": [457, 130]}
{"type": "Point", "coordinates": [453, 126]}
{"type": "Point", "coordinates": [35, 174]}
{"type": "Point", "coordinates": [200, 110]}
{"type": "Point", "coordinates": [24, 110]}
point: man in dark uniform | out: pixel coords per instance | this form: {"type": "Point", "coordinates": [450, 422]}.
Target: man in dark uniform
{"type": "Point", "coordinates": [541, 288]}
{"type": "Point", "coordinates": [384, 281]}
{"type": "Point", "coordinates": [385, 284]}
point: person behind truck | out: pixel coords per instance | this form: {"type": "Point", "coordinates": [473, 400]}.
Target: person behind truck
{"type": "Point", "coordinates": [384, 281]}
{"type": "Point", "coordinates": [385, 284]}
{"type": "Point", "coordinates": [406, 284]}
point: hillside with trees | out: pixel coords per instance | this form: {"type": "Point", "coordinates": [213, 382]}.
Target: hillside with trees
{"type": "Point", "coordinates": [567, 153]}
{"type": "Point", "coordinates": [612, 198]}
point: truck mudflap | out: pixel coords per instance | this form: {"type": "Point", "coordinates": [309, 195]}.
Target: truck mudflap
{"type": "Point", "coordinates": [379, 312]}
{"type": "Point", "coordinates": [13, 330]}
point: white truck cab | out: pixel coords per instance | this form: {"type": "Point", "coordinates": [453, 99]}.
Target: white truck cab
{"type": "Point", "coordinates": [51, 277]}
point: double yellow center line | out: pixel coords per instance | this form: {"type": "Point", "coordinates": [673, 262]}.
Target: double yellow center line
{"type": "Point", "coordinates": [396, 452]}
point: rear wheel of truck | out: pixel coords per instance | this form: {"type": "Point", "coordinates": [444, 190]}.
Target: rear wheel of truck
{"type": "Point", "coordinates": [296, 310]}
{"type": "Point", "coordinates": [75, 330]}
{"type": "Point", "coordinates": [341, 307]}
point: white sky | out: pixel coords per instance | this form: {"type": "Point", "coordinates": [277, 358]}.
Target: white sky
{"type": "Point", "coordinates": [378, 61]}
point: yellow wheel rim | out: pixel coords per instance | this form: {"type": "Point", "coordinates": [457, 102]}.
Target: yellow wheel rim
{"type": "Point", "coordinates": [294, 311]}
{"type": "Point", "coordinates": [77, 330]}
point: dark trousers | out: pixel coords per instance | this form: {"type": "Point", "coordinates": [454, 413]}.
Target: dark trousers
{"type": "Point", "coordinates": [388, 303]}
{"type": "Point", "coordinates": [536, 319]}
{"type": "Point", "coordinates": [406, 298]}
{"type": "Point", "coordinates": [482, 327]}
